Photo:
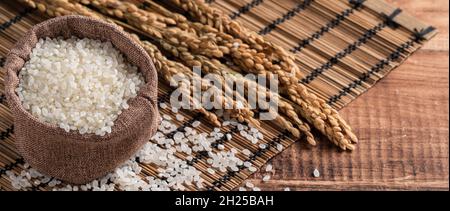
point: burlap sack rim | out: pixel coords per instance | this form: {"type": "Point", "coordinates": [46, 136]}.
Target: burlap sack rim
{"type": "Point", "coordinates": [13, 98]}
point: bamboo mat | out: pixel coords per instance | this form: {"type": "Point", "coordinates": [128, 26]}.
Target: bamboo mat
{"type": "Point", "coordinates": [342, 47]}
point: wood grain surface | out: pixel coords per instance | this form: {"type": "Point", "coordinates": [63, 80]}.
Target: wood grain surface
{"type": "Point", "coordinates": [402, 123]}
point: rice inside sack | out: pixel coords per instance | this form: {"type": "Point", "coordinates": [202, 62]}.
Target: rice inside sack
{"type": "Point", "coordinates": [77, 84]}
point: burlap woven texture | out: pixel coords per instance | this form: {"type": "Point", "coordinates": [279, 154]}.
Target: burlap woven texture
{"type": "Point", "coordinates": [73, 157]}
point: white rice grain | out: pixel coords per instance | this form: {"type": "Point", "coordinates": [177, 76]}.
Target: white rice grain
{"type": "Point", "coordinates": [266, 178]}
{"type": "Point", "coordinates": [269, 168]}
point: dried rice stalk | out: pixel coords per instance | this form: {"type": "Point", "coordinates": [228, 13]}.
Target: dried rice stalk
{"type": "Point", "coordinates": [252, 61]}
{"type": "Point", "coordinates": [257, 55]}
{"type": "Point", "coordinates": [151, 23]}
{"type": "Point", "coordinates": [214, 66]}
{"type": "Point", "coordinates": [170, 68]}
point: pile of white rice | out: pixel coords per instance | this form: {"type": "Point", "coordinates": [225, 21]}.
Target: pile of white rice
{"type": "Point", "coordinates": [77, 84]}
{"type": "Point", "coordinates": [163, 152]}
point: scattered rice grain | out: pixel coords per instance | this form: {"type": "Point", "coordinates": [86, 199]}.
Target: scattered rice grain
{"type": "Point", "coordinates": [316, 173]}
{"type": "Point", "coordinates": [249, 185]}
{"type": "Point", "coordinates": [269, 168]}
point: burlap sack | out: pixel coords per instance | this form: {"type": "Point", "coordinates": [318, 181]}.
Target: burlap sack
{"type": "Point", "coordinates": [73, 157]}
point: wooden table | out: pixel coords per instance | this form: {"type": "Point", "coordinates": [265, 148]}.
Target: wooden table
{"type": "Point", "coordinates": [402, 123]}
